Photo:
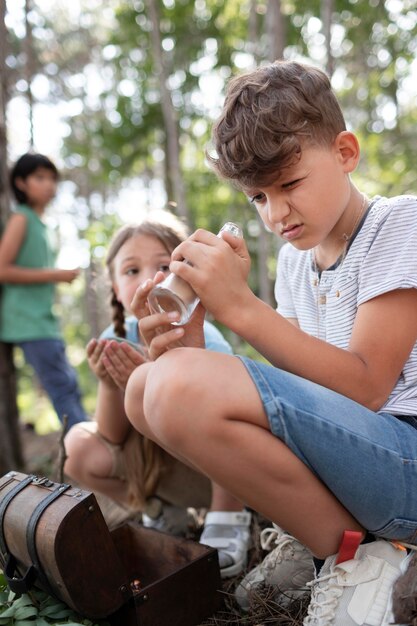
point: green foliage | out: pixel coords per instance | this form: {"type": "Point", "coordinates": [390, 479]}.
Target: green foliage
{"type": "Point", "coordinates": [37, 608]}
{"type": "Point", "coordinates": [104, 69]}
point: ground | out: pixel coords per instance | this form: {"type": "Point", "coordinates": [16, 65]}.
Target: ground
{"type": "Point", "coordinates": [40, 452]}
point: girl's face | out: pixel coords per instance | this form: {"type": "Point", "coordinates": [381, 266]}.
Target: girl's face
{"type": "Point", "coordinates": [39, 187]}
{"type": "Point", "coordinates": [138, 259]}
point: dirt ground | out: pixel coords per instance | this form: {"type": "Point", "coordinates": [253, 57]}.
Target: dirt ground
{"type": "Point", "coordinates": [41, 452]}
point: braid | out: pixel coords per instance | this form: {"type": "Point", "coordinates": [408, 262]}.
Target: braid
{"type": "Point", "coordinates": [118, 317]}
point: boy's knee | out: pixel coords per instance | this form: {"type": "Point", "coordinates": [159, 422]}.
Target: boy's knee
{"type": "Point", "coordinates": [169, 381]}
{"type": "Point", "coordinates": [174, 394]}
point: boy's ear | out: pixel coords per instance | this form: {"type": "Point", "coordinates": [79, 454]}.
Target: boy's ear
{"type": "Point", "coordinates": [347, 146]}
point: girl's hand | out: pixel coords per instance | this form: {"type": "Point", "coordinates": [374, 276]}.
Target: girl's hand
{"type": "Point", "coordinates": [218, 270]}
{"type": "Point", "coordinates": [66, 276]}
{"type": "Point", "coordinates": [119, 360]}
{"type": "Point", "coordinates": [156, 329]}
{"type": "Point", "coordinates": [95, 353]}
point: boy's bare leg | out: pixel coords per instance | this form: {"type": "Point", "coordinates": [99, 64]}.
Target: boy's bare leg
{"type": "Point", "coordinates": [221, 500]}
{"type": "Point", "coordinates": [203, 406]}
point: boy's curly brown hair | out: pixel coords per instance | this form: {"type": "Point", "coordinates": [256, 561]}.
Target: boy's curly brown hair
{"type": "Point", "coordinates": [268, 115]}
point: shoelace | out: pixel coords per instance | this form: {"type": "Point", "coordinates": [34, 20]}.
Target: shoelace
{"type": "Point", "coordinates": [324, 608]}
{"type": "Point", "coordinates": [270, 536]}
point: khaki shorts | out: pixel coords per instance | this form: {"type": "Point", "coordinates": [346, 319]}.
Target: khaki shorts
{"type": "Point", "coordinates": [179, 485]}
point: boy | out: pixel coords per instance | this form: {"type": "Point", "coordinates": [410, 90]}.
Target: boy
{"type": "Point", "coordinates": [28, 285]}
{"type": "Point", "coordinates": [323, 441]}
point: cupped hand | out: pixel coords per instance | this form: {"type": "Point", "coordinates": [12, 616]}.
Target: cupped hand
{"type": "Point", "coordinates": [119, 360]}
{"type": "Point", "coordinates": [95, 353]}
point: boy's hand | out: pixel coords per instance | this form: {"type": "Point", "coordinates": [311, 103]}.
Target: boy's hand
{"type": "Point", "coordinates": [66, 276]}
{"type": "Point", "coordinates": [119, 360]}
{"type": "Point", "coordinates": [218, 271]}
{"type": "Point", "coordinates": [156, 329]}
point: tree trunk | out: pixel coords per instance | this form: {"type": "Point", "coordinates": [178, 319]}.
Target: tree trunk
{"type": "Point", "coordinates": [275, 29]}
{"type": "Point", "coordinates": [28, 47]}
{"type": "Point", "coordinates": [10, 448]}
{"type": "Point", "coordinates": [327, 7]}
{"type": "Point", "coordinates": [4, 195]}
{"type": "Point", "coordinates": [263, 250]}
{"type": "Point", "coordinates": [169, 114]}
{"type": "Point", "coordinates": [253, 34]}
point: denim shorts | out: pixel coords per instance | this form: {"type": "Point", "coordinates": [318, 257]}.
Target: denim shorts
{"type": "Point", "coordinates": [368, 460]}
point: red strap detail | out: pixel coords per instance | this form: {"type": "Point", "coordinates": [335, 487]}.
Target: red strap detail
{"type": "Point", "coordinates": [350, 543]}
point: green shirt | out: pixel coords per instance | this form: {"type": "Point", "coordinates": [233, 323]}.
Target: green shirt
{"type": "Point", "coordinates": [26, 310]}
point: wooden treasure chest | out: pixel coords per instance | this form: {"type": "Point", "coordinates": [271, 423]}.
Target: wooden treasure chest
{"type": "Point", "coordinates": [54, 536]}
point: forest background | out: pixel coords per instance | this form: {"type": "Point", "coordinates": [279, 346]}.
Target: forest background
{"type": "Point", "coordinates": [122, 96]}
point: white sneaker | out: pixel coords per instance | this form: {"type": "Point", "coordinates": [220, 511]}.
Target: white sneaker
{"type": "Point", "coordinates": [288, 567]}
{"type": "Point", "coordinates": [229, 532]}
{"type": "Point", "coordinates": [165, 517]}
{"type": "Point", "coordinates": [357, 592]}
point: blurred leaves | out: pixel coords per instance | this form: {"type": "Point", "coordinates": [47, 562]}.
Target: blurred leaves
{"type": "Point", "coordinates": [99, 69]}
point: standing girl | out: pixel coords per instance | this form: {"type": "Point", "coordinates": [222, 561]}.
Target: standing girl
{"type": "Point", "coordinates": [28, 278]}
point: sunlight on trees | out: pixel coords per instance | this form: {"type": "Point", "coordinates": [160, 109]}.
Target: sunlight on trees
{"type": "Point", "coordinates": [123, 95]}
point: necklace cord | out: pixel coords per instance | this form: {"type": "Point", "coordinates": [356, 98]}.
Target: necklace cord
{"type": "Point", "coordinates": [321, 300]}
{"type": "Point", "coordinates": [345, 237]}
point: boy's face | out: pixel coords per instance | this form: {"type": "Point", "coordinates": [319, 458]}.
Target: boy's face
{"type": "Point", "coordinates": [39, 187]}
{"type": "Point", "coordinates": [308, 199]}
{"type": "Point", "coordinates": [138, 259]}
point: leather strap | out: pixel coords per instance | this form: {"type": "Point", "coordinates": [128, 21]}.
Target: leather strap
{"type": "Point", "coordinates": [18, 584]}
{"type": "Point", "coordinates": [31, 532]}
{"type": "Point", "coordinates": [3, 506]}
{"type": "Point", "coordinates": [21, 584]}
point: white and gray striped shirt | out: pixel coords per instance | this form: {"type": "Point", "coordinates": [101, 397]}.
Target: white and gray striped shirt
{"type": "Point", "coordinates": [381, 258]}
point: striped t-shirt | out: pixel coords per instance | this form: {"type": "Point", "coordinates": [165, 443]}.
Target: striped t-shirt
{"type": "Point", "coordinates": [381, 258]}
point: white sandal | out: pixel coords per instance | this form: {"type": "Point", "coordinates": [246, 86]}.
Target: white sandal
{"type": "Point", "coordinates": [229, 533]}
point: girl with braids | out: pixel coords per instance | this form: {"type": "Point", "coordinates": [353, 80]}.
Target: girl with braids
{"type": "Point", "coordinates": [107, 455]}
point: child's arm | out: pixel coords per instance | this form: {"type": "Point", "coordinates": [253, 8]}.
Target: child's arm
{"type": "Point", "coordinates": [109, 414]}
{"type": "Point", "coordinates": [10, 245]}
{"type": "Point", "coordinates": [366, 372]}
